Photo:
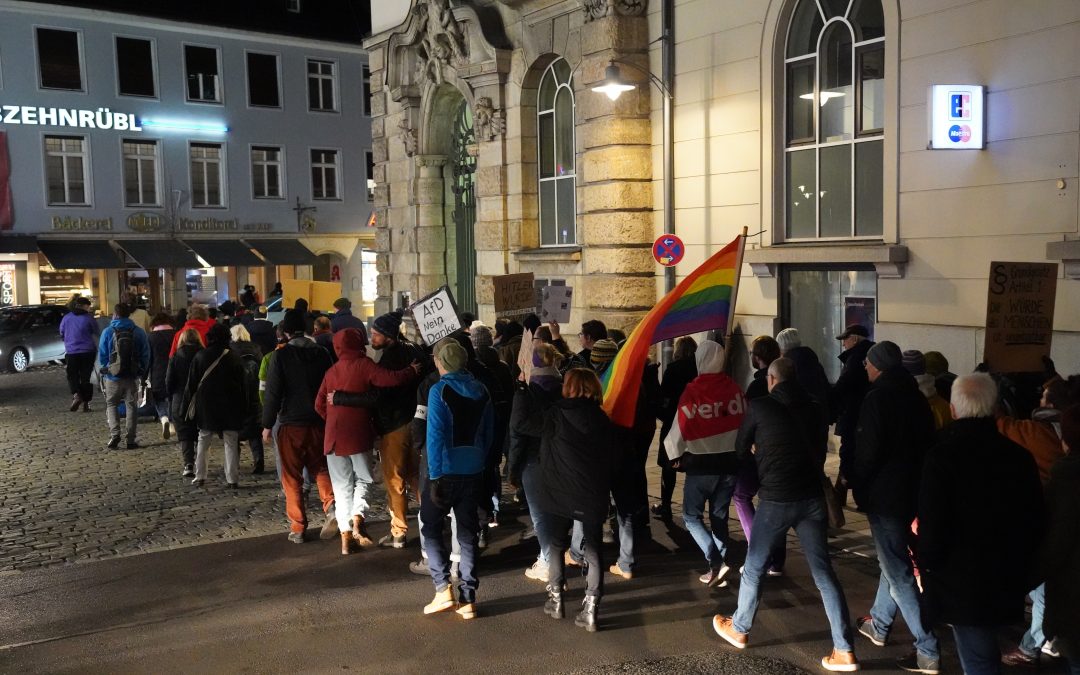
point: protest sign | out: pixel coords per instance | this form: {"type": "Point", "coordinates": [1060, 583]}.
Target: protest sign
{"type": "Point", "coordinates": [555, 304]}
{"type": "Point", "coordinates": [1019, 316]}
{"type": "Point", "coordinates": [514, 295]}
{"type": "Point", "coordinates": [525, 355]}
{"type": "Point", "coordinates": [436, 316]}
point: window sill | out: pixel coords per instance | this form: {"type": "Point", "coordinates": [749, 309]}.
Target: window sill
{"type": "Point", "coordinates": [1068, 252]}
{"type": "Point", "coordinates": [550, 254]}
{"type": "Point", "coordinates": [888, 259]}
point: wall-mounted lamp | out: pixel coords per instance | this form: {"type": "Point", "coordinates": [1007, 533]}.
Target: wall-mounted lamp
{"type": "Point", "coordinates": [613, 85]}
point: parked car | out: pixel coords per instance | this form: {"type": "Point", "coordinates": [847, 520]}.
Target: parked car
{"type": "Point", "coordinates": [30, 336]}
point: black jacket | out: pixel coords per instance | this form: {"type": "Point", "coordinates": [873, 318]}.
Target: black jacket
{"type": "Point", "coordinates": [677, 375]}
{"type": "Point", "coordinates": [896, 428]}
{"type": "Point", "coordinates": [223, 398]}
{"type": "Point", "coordinates": [176, 377]}
{"type": "Point", "coordinates": [397, 405]}
{"type": "Point", "coordinates": [250, 358]}
{"type": "Point", "coordinates": [1061, 552]}
{"type": "Point", "coordinates": [292, 381]}
{"type": "Point", "coordinates": [525, 448]}
{"type": "Point", "coordinates": [980, 501]}
{"type": "Point", "coordinates": [343, 318]}
{"type": "Point", "coordinates": [850, 389]}
{"type": "Point", "coordinates": [811, 375]}
{"type": "Point", "coordinates": [576, 458]}
{"type": "Point", "coordinates": [758, 387]}
{"type": "Point", "coordinates": [160, 345]}
{"type": "Point", "coordinates": [263, 334]}
{"type": "Point", "coordinates": [786, 428]}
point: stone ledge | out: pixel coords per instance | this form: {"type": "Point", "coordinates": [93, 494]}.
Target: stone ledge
{"type": "Point", "coordinates": [888, 259]}
{"type": "Point", "coordinates": [1068, 252]}
{"type": "Point", "coordinates": [549, 254]}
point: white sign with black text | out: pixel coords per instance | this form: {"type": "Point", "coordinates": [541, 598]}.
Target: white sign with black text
{"type": "Point", "coordinates": [555, 304]}
{"type": "Point", "coordinates": [435, 316]}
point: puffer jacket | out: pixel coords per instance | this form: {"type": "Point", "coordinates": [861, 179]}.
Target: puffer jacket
{"type": "Point", "coordinates": [293, 377]}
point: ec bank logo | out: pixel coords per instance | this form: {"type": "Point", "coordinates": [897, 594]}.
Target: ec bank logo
{"type": "Point", "coordinates": [959, 105]}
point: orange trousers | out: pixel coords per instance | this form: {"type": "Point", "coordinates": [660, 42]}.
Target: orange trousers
{"type": "Point", "coordinates": [400, 472]}
{"type": "Point", "coordinates": [302, 447]}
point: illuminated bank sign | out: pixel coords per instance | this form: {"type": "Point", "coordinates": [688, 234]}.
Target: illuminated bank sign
{"type": "Point", "coordinates": [101, 118]}
{"type": "Point", "coordinates": [957, 118]}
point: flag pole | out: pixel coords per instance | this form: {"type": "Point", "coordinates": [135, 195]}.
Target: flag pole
{"type": "Point", "coordinates": [735, 290]}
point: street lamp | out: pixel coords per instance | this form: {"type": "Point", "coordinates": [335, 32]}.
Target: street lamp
{"type": "Point", "coordinates": [613, 85]}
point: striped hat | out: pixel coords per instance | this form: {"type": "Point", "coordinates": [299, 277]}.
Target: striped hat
{"type": "Point", "coordinates": [603, 352]}
{"type": "Point", "coordinates": [481, 336]}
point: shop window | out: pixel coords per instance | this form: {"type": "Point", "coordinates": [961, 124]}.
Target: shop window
{"type": "Point", "coordinates": [59, 59]}
{"type": "Point", "coordinates": [557, 161]}
{"type": "Point", "coordinates": [324, 174]}
{"type": "Point", "coordinates": [266, 172]}
{"type": "Point", "coordinates": [834, 120]}
{"type": "Point", "coordinates": [135, 67]}
{"type": "Point", "coordinates": [66, 169]}
{"type": "Point", "coordinates": [321, 85]}
{"type": "Point", "coordinates": [203, 74]}
{"type": "Point", "coordinates": [262, 72]}
{"type": "Point", "coordinates": [369, 164]}
{"type": "Point", "coordinates": [207, 188]}
{"type": "Point", "coordinates": [141, 171]}
{"type": "Point", "coordinates": [365, 84]}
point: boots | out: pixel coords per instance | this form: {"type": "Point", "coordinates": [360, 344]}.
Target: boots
{"type": "Point", "coordinates": [586, 618]}
{"type": "Point", "coordinates": [360, 533]}
{"type": "Point", "coordinates": [76, 401]}
{"type": "Point", "coordinates": [442, 601]}
{"type": "Point", "coordinates": [165, 431]}
{"type": "Point", "coordinates": [553, 607]}
{"type": "Point", "coordinates": [346, 543]}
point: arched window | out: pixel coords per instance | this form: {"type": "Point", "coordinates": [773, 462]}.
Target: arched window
{"type": "Point", "coordinates": [834, 118]}
{"type": "Point", "coordinates": [555, 155]}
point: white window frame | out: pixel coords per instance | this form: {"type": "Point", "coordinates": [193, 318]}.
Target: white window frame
{"type": "Point", "coordinates": [261, 166]}
{"type": "Point", "coordinates": [85, 155]}
{"type": "Point", "coordinates": [222, 167]}
{"type": "Point", "coordinates": [220, 83]}
{"type": "Point", "coordinates": [153, 65]}
{"type": "Point", "coordinates": [154, 160]}
{"type": "Point", "coordinates": [333, 79]}
{"type": "Point", "coordinates": [323, 166]}
{"type": "Point", "coordinates": [84, 88]}
{"type": "Point", "coordinates": [247, 80]}
{"type": "Point", "coordinates": [572, 176]}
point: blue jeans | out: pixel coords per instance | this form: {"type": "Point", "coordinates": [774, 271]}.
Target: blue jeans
{"type": "Point", "coordinates": [1034, 638]}
{"type": "Point", "coordinates": [530, 482]}
{"type": "Point", "coordinates": [717, 491]}
{"type": "Point", "coordinates": [462, 495]}
{"type": "Point", "coordinates": [771, 523]}
{"type": "Point", "coordinates": [896, 585]}
{"type": "Point", "coordinates": [978, 649]}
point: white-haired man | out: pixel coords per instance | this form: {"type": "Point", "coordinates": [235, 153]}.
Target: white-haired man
{"type": "Point", "coordinates": [976, 486]}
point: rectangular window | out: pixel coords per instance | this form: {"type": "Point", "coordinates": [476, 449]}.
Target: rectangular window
{"type": "Point", "coordinates": [262, 72]}
{"type": "Point", "coordinates": [135, 67]}
{"type": "Point", "coordinates": [801, 183]}
{"type": "Point", "coordinates": [324, 174]}
{"type": "Point", "coordinates": [59, 60]}
{"type": "Point", "coordinates": [266, 172]}
{"type": "Point", "coordinates": [141, 171]}
{"type": "Point", "coordinates": [321, 76]}
{"type": "Point", "coordinates": [365, 84]}
{"type": "Point", "coordinates": [66, 165]}
{"type": "Point", "coordinates": [871, 74]}
{"type": "Point", "coordinates": [206, 184]}
{"type": "Point", "coordinates": [201, 66]}
{"type": "Point", "coordinates": [369, 162]}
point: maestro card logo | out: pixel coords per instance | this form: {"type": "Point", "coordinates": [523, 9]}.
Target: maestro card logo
{"type": "Point", "coordinates": [959, 133]}
{"type": "Point", "coordinates": [959, 105]}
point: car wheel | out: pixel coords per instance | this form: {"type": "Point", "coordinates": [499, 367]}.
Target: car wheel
{"type": "Point", "coordinates": [19, 361]}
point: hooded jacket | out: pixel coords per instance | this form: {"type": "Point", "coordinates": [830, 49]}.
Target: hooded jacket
{"type": "Point", "coordinates": [707, 420]}
{"type": "Point", "coordinates": [293, 377]}
{"type": "Point", "coordinates": [351, 430]}
{"type": "Point", "coordinates": [460, 426]}
{"type": "Point", "coordinates": [79, 329]}
{"type": "Point", "coordinates": [140, 353]}
{"type": "Point", "coordinates": [202, 326]}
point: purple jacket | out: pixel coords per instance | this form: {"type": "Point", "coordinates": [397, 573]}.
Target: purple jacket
{"type": "Point", "coordinates": [80, 333]}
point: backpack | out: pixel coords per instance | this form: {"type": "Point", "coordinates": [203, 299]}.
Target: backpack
{"type": "Point", "coordinates": [122, 354]}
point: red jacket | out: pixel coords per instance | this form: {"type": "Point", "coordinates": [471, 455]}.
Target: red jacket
{"type": "Point", "coordinates": [350, 430]}
{"type": "Point", "coordinates": [203, 326]}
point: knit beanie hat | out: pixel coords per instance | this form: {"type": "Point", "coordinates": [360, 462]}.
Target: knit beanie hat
{"type": "Point", "coordinates": [603, 352]}
{"type": "Point", "coordinates": [452, 356]}
{"type": "Point", "coordinates": [388, 324]}
{"type": "Point", "coordinates": [481, 337]}
{"type": "Point", "coordinates": [788, 339]}
{"type": "Point", "coordinates": [936, 363]}
{"type": "Point", "coordinates": [914, 362]}
{"type": "Point", "coordinates": [293, 322]}
{"type": "Point", "coordinates": [885, 355]}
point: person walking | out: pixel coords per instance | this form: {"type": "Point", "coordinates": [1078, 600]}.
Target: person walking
{"type": "Point", "coordinates": [895, 430]}
{"type": "Point", "coordinates": [324, 336]}
{"type": "Point", "coordinates": [79, 330]}
{"type": "Point", "coordinates": [350, 433]}
{"type": "Point", "coordinates": [701, 444]}
{"type": "Point", "coordinates": [782, 436]}
{"type": "Point", "coordinates": [846, 397]}
{"type": "Point", "coordinates": [218, 399]}
{"type": "Point", "coordinates": [294, 374]}
{"type": "Point", "coordinates": [251, 430]}
{"type": "Point", "coordinates": [124, 358]}
{"type": "Point", "coordinates": [160, 338]}
{"type": "Point", "coordinates": [198, 317]}
{"type": "Point", "coordinates": [460, 426]}
{"type": "Point", "coordinates": [680, 372]}
{"type": "Point", "coordinates": [176, 378]}
{"type": "Point", "coordinates": [343, 317]}
{"type": "Point", "coordinates": [262, 332]}
{"type": "Point", "coordinates": [1060, 554]}
{"type": "Point", "coordinates": [961, 524]}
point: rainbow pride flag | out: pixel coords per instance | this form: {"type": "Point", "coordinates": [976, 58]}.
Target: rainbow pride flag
{"type": "Point", "coordinates": [702, 301]}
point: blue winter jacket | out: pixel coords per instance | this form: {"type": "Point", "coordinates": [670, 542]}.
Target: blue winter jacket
{"type": "Point", "coordinates": [460, 426]}
{"type": "Point", "coordinates": [142, 348]}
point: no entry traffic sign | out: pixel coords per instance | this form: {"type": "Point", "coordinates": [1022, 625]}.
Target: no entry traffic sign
{"type": "Point", "coordinates": [668, 250]}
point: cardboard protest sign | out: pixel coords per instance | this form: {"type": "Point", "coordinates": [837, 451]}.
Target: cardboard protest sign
{"type": "Point", "coordinates": [1019, 316]}
{"type": "Point", "coordinates": [555, 304]}
{"type": "Point", "coordinates": [514, 295]}
{"type": "Point", "coordinates": [294, 289]}
{"type": "Point", "coordinates": [525, 355]}
{"type": "Point", "coordinates": [320, 295]}
{"type": "Point", "coordinates": [436, 316]}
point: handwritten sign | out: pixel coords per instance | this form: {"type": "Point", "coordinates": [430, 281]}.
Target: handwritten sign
{"type": "Point", "coordinates": [514, 295]}
{"type": "Point", "coordinates": [435, 316]}
{"type": "Point", "coordinates": [555, 304]}
{"type": "Point", "coordinates": [525, 355]}
{"type": "Point", "coordinates": [1019, 316]}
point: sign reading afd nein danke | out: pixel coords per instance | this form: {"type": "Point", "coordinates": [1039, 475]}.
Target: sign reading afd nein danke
{"type": "Point", "coordinates": [435, 315]}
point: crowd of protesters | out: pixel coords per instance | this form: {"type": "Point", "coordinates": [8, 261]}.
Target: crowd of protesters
{"type": "Point", "coordinates": [967, 482]}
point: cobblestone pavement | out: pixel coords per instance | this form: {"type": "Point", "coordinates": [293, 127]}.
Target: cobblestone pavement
{"type": "Point", "coordinates": [66, 498]}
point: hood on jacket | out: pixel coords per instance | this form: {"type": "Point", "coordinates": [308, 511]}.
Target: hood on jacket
{"type": "Point", "coordinates": [201, 325]}
{"type": "Point", "coordinates": [709, 358]}
{"type": "Point", "coordinates": [350, 343]}
{"type": "Point", "coordinates": [121, 323]}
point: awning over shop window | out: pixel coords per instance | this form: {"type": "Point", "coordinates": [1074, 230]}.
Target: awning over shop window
{"type": "Point", "coordinates": [74, 254]}
{"type": "Point", "coordinates": [283, 251]}
{"type": "Point", "coordinates": [18, 243]}
{"type": "Point", "coordinates": [154, 254]}
{"type": "Point", "coordinates": [222, 252]}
